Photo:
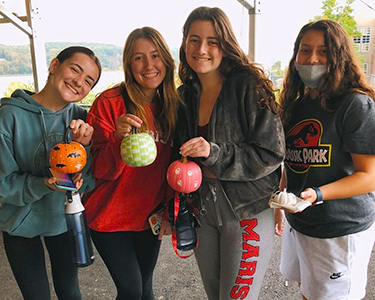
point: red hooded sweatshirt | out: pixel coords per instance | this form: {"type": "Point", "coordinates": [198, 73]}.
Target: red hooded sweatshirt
{"type": "Point", "coordinates": [124, 196]}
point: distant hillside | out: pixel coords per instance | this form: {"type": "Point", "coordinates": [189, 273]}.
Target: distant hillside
{"type": "Point", "coordinates": [110, 55]}
{"type": "Point", "coordinates": [15, 60]}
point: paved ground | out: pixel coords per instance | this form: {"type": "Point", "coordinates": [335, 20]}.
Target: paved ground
{"type": "Point", "coordinates": [175, 279]}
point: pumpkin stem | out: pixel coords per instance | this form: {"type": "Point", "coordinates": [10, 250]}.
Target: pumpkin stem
{"type": "Point", "coordinates": [134, 130]}
{"type": "Point", "coordinates": [68, 135]}
{"type": "Point", "coordinates": [184, 160]}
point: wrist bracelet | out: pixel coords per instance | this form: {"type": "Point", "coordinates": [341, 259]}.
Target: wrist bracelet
{"type": "Point", "coordinates": [319, 196]}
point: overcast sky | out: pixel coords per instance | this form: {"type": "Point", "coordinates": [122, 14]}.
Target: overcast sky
{"type": "Point", "coordinates": [110, 21]}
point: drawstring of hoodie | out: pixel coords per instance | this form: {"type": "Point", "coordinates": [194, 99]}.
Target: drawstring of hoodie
{"type": "Point", "coordinates": [24, 100]}
{"type": "Point", "coordinates": [43, 123]}
{"type": "Point", "coordinates": [212, 193]}
{"type": "Point", "coordinates": [45, 134]}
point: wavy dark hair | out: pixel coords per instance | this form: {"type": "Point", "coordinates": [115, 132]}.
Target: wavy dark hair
{"type": "Point", "coordinates": [344, 71]}
{"type": "Point", "coordinates": [235, 58]}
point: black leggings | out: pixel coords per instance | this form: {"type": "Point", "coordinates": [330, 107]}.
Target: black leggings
{"type": "Point", "coordinates": [130, 258]}
{"type": "Point", "coordinates": [27, 261]}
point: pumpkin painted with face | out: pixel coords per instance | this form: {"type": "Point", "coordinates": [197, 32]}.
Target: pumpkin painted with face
{"type": "Point", "coordinates": [68, 157]}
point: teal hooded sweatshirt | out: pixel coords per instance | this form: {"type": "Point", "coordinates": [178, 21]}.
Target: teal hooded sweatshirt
{"type": "Point", "coordinates": [28, 131]}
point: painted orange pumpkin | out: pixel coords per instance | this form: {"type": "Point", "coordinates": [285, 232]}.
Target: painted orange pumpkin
{"type": "Point", "coordinates": [68, 157]}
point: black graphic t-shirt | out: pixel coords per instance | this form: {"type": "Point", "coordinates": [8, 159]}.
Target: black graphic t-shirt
{"type": "Point", "coordinates": [319, 144]}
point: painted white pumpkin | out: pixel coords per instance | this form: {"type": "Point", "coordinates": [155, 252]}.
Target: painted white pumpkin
{"type": "Point", "coordinates": [284, 198]}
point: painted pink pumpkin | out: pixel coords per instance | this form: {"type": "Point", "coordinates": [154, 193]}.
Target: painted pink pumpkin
{"type": "Point", "coordinates": [184, 176]}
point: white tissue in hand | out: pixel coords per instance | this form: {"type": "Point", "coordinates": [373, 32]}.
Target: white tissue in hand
{"type": "Point", "coordinates": [284, 198]}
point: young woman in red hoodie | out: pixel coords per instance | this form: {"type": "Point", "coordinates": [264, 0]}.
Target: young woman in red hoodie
{"type": "Point", "coordinates": [124, 196]}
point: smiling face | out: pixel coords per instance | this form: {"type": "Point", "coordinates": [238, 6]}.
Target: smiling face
{"type": "Point", "coordinates": [203, 52]}
{"type": "Point", "coordinates": [312, 49]}
{"type": "Point", "coordinates": [73, 78]}
{"type": "Point", "coordinates": [147, 67]}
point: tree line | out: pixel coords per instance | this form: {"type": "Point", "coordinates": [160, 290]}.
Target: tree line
{"type": "Point", "coordinates": [16, 60]}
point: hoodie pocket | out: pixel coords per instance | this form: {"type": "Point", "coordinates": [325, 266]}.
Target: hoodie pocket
{"type": "Point", "coordinates": [39, 223]}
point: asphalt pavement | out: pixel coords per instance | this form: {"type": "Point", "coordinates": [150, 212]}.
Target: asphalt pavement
{"type": "Point", "coordinates": [174, 279]}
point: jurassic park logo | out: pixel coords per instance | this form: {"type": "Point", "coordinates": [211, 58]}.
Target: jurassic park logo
{"type": "Point", "coordinates": [304, 148]}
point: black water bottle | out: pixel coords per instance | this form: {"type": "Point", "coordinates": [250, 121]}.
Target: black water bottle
{"type": "Point", "coordinates": [79, 234]}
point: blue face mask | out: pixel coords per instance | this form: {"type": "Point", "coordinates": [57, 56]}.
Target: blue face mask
{"type": "Point", "coordinates": [311, 74]}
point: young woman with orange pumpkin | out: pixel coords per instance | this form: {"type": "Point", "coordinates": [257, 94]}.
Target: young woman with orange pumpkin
{"type": "Point", "coordinates": [31, 207]}
{"type": "Point", "coordinates": [230, 126]}
{"type": "Point", "coordinates": [124, 195]}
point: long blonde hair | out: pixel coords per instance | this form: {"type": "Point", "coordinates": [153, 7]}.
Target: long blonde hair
{"type": "Point", "coordinates": [167, 103]}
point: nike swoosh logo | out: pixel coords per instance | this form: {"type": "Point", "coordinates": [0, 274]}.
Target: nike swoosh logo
{"type": "Point", "coordinates": [336, 275]}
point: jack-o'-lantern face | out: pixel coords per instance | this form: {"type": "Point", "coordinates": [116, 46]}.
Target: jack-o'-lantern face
{"type": "Point", "coordinates": [68, 157]}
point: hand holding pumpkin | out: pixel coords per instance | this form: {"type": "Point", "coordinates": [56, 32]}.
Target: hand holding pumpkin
{"type": "Point", "coordinates": [125, 123]}
{"type": "Point", "coordinates": [196, 147]}
{"type": "Point", "coordinates": [81, 131]}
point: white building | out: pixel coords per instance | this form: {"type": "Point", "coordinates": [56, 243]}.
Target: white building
{"type": "Point", "coordinates": [365, 44]}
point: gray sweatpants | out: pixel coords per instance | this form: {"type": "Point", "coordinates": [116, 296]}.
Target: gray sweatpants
{"type": "Point", "coordinates": [232, 255]}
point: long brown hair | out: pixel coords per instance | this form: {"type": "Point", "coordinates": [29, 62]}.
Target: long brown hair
{"type": "Point", "coordinates": [235, 58]}
{"type": "Point", "coordinates": [344, 71]}
{"type": "Point", "coordinates": [169, 99]}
